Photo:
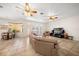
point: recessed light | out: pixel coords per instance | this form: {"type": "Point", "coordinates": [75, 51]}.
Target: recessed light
{"type": "Point", "coordinates": [1, 6]}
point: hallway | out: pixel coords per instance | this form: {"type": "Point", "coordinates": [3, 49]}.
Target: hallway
{"type": "Point", "coordinates": [16, 47]}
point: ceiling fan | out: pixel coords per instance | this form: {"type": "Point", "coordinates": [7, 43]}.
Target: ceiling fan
{"type": "Point", "coordinates": [50, 17]}
{"type": "Point", "coordinates": [28, 10]}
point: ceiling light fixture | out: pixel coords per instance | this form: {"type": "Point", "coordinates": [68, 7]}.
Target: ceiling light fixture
{"type": "Point", "coordinates": [29, 11]}
{"type": "Point", "coordinates": [1, 6]}
{"type": "Point", "coordinates": [53, 17]}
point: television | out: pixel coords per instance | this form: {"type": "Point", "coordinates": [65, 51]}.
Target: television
{"type": "Point", "coordinates": [58, 32]}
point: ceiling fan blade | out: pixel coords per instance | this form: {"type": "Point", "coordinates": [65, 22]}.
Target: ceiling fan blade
{"type": "Point", "coordinates": [34, 11]}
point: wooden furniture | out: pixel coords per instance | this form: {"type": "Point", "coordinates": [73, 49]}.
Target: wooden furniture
{"type": "Point", "coordinates": [4, 36]}
{"type": "Point", "coordinates": [7, 35]}
{"type": "Point", "coordinates": [10, 35]}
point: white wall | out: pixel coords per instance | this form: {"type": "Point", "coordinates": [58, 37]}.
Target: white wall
{"type": "Point", "coordinates": [6, 21]}
{"type": "Point", "coordinates": [27, 25]}
{"type": "Point", "coordinates": [71, 25]}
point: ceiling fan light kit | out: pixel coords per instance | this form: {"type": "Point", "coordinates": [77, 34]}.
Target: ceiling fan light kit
{"type": "Point", "coordinates": [30, 10]}
{"type": "Point", "coordinates": [53, 17]}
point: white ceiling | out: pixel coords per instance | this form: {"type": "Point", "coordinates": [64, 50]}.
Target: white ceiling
{"type": "Point", "coordinates": [62, 10]}
{"type": "Point", "coordinates": [9, 10]}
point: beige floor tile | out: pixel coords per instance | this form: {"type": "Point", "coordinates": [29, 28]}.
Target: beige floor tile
{"type": "Point", "coordinates": [17, 47]}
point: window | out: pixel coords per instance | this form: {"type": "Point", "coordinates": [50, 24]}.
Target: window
{"type": "Point", "coordinates": [16, 26]}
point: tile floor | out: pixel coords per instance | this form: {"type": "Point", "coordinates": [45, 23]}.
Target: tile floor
{"type": "Point", "coordinates": [17, 47]}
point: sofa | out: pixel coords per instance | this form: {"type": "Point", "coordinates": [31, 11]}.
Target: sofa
{"type": "Point", "coordinates": [68, 47]}
{"type": "Point", "coordinates": [53, 46]}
